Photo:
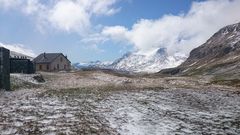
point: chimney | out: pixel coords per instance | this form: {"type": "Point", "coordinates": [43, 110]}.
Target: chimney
{"type": "Point", "coordinates": [44, 55]}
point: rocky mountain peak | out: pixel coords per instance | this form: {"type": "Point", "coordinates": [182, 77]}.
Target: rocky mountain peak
{"type": "Point", "coordinates": [220, 44]}
{"type": "Point", "coordinates": [162, 52]}
{"type": "Point", "coordinates": [235, 28]}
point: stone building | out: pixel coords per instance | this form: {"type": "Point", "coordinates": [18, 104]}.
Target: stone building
{"type": "Point", "coordinates": [51, 62]}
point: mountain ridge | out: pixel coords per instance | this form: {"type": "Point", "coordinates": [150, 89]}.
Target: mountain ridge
{"type": "Point", "coordinates": [219, 55]}
{"type": "Point", "coordinates": [139, 63]}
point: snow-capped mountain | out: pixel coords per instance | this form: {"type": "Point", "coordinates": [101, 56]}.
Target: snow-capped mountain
{"type": "Point", "coordinates": [135, 62]}
{"type": "Point", "coordinates": [92, 64]}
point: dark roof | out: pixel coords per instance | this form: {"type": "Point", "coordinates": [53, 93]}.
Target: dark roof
{"type": "Point", "coordinates": [47, 57]}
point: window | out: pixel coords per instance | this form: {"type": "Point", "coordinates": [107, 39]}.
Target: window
{"type": "Point", "coordinates": [40, 67]}
{"type": "Point", "coordinates": [58, 66]}
{"type": "Point", "coordinates": [47, 67]}
{"type": "Point", "coordinates": [64, 66]}
{"type": "Point", "coordinates": [61, 59]}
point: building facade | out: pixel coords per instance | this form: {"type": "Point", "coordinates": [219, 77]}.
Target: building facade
{"type": "Point", "coordinates": [51, 62]}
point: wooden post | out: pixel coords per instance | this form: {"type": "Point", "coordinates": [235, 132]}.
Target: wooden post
{"type": "Point", "coordinates": [4, 69]}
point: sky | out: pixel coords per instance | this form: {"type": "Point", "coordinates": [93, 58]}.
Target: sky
{"type": "Point", "coordinates": [90, 30]}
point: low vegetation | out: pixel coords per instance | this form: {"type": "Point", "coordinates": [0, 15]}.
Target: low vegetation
{"type": "Point", "coordinates": [227, 80]}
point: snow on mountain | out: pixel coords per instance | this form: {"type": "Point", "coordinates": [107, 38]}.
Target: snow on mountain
{"type": "Point", "coordinates": [134, 62]}
{"type": "Point", "coordinates": [92, 64]}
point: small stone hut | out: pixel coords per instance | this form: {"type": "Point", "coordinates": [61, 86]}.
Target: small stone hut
{"type": "Point", "coordinates": [52, 62]}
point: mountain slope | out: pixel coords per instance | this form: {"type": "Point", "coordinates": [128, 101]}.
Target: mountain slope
{"type": "Point", "coordinates": [220, 55]}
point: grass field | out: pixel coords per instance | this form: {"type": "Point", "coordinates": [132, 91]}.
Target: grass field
{"type": "Point", "coordinates": [97, 102]}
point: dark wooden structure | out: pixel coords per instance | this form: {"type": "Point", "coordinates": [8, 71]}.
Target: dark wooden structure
{"type": "Point", "coordinates": [4, 69]}
{"type": "Point", "coordinates": [21, 65]}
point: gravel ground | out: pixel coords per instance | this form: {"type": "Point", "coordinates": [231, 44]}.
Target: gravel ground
{"type": "Point", "coordinates": [174, 111]}
{"type": "Point", "coordinates": [95, 107]}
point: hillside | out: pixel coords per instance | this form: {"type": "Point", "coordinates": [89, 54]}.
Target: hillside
{"type": "Point", "coordinates": [220, 55]}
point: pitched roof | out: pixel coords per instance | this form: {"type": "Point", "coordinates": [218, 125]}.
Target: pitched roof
{"type": "Point", "coordinates": [46, 57]}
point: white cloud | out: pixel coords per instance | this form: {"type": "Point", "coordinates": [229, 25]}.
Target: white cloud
{"type": "Point", "coordinates": [75, 15]}
{"type": "Point", "coordinates": [19, 49]}
{"type": "Point", "coordinates": [104, 7]}
{"type": "Point", "coordinates": [65, 15]}
{"type": "Point", "coordinates": [7, 4]}
{"type": "Point", "coordinates": [32, 6]}
{"type": "Point", "coordinates": [179, 33]}
{"type": "Point", "coordinates": [117, 33]}
{"type": "Point", "coordinates": [93, 41]}
{"type": "Point", "coordinates": [69, 16]}
{"type": "Point", "coordinates": [26, 6]}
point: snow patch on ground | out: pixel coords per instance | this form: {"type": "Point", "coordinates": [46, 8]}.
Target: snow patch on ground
{"type": "Point", "coordinates": [171, 112]}
{"type": "Point", "coordinates": [25, 77]}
